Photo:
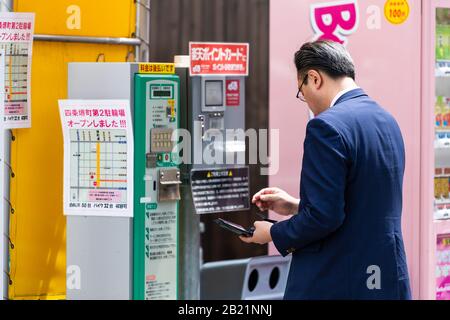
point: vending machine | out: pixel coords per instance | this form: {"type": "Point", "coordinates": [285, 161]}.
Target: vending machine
{"type": "Point", "coordinates": [157, 184]}
{"type": "Point", "coordinates": [133, 257]}
{"type": "Point", "coordinates": [401, 54]}
{"type": "Point", "coordinates": [435, 166]}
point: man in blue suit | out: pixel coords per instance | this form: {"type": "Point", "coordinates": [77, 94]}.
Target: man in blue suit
{"type": "Point", "coordinates": [345, 231]}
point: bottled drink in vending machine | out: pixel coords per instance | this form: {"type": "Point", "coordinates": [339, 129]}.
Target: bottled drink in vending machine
{"type": "Point", "coordinates": [445, 114]}
{"type": "Point", "coordinates": [438, 110]}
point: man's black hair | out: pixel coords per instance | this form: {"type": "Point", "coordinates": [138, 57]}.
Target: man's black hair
{"type": "Point", "coordinates": [326, 56]}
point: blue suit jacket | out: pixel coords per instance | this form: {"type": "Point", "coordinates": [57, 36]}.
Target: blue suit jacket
{"type": "Point", "coordinates": [346, 239]}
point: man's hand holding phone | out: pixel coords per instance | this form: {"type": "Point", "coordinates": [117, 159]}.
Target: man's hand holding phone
{"type": "Point", "coordinates": [261, 233]}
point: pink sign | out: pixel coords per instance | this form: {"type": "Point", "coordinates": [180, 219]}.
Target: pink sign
{"type": "Point", "coordinates": [443, 268]}
{"type": "Point", "coordinates": [233, 93]}
{"type": "Point", "coordinates": [334, 20]}
{"type": "Point", "coordinates": [104, 196]}
{"type": "Point", "coordinates": [213, 58]}
{"type": "Point", "coordinates": [14, 108]}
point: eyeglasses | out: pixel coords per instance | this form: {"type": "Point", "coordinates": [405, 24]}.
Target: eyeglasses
{"type": "Point", "coordinates": [299, 93]}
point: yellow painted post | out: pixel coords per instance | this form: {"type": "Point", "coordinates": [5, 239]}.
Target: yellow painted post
{"type": "Point", "coordinates": [38, 226]}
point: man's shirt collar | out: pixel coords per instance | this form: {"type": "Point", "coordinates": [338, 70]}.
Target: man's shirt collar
{"type": "Point", "coordinates": [341, 93]}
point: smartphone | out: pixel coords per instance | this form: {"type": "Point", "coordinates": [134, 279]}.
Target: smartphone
{"type": "Point", "coordinates": [266, 219]}
{"type": "Point", "coordinates": [235, 228]}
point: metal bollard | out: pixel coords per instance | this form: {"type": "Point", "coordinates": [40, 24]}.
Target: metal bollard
{"type": "Point", "coordinates": [222, 280]}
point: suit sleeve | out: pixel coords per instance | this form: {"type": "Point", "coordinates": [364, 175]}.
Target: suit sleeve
{"type": "Point", "coordinates": [323, 182]}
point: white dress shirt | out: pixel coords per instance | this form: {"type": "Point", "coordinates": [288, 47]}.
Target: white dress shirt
{"type": "Point", "coordinates": [333, 102]}
{"type": "Point", "coordinates": [341, 93]}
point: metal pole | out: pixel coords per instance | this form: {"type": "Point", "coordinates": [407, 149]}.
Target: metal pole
{"type": "Point", "coordinates": [6, 5]}
{"type": "Point", "coordinates": [189, 222]}
{"type": "Point", "coordinates": [97, 40]}
{"type": "Point", "coordinates": [5, 148]}
{"type": "Point", "coordinates": [5, 208]}
{"type": "Point", "coordinates": [148, 16]}
{"type": "Point", "coordinates": [137, 50]}
{"type": "Point", "coordinates": [143, 28]}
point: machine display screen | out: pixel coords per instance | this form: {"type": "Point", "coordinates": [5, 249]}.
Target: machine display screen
{"type": "Point", "coordinates": [162, 94]}
{"type": "Point", "coordinates": [213, 93]}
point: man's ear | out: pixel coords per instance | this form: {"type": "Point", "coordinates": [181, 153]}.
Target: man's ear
{"type": "Point", "coordinates": [319, 82]}
{"type": "Point", "coordinates": [316, 78]}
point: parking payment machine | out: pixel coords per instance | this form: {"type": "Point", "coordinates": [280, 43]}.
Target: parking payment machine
{"type": "Point", "coordinates": [131, 257]}
{"type": "Point", "coordinates": [157, 182]}
{"type": "Point", "coordinates": [155, 254]}
{"type": "Point", "coordinates": [219, 175]}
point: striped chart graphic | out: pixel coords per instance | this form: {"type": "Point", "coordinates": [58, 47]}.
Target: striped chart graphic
{"type": "Point", "coordinates": [16, 78]}
{"type": "Point", "coordinates": [98, 165]}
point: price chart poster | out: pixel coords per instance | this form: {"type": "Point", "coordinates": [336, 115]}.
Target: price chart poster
{"type": "Point", "coordinates": [16, 39]}
{"type": "Point", "coordinates": [98, 157]}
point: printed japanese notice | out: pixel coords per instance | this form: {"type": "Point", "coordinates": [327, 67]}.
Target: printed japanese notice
{"type": "Point", "coordinates": [220, 190]}
{"type": "Point", "coordinates": [98, 157]}
{"type": "Point", "coordinates": [16, 39]}
{"type": "Point", "coordinates": [214, 58]}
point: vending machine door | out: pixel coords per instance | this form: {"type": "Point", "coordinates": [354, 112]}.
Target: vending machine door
{"type": "Point", "coordinates": [435, 161]}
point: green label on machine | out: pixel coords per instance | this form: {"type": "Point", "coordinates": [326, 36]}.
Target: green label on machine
{"type": "Point", "coordinates": [156, 114]}
{"type": "Point", "coordinates": [151, 206]}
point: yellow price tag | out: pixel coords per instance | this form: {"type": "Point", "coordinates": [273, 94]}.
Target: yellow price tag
{"type": "Point", "coordinates": [157, 68]}
{"type": "Point", "coordinates": [396, 11]}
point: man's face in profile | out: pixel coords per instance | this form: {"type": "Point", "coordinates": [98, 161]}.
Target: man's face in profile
{"type": "Point", "coordinates": [309, 85]}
